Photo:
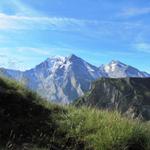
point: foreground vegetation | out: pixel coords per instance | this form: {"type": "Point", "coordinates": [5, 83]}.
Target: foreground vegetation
{"type": "Point", "coordinates": [27, 121]}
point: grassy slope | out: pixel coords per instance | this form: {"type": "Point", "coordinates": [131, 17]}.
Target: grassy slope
{"type": "Point", "coordinates": [107, 130]}
{"type": "Point", "coordinates": [26, 118]}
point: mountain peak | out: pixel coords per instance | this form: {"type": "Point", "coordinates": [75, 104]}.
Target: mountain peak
{"type": "Point", "coordinates": [117, 69]}
{"type": "Point", "coordinates": [73, 57]}
{"type": "Point", "coordinates": [116, 62]}
{"type": "Point", "coordinates": [114, 67]}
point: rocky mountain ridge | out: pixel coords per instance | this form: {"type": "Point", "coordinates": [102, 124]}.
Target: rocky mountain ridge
{"type": "Point", "coordinates": [130, 96]}
{"type": "Point", "coordinates": [63, 79]}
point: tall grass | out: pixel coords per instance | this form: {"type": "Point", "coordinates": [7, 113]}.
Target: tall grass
{"type": "Point", "coordinates": [66, 127]}
{"type": "Point", "coordinates": [105, 130]}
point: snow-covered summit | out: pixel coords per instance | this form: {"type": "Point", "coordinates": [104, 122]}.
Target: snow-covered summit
{"type": "Point", "coordinates": [62, 79]}
{"type": "Point", "coordinates": [117, 69]}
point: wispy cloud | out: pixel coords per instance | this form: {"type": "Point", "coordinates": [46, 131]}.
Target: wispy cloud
{"type": "Point", "coordinates": [142, 47]}
{"type": "Point", "coordinates": [17, 7]}
{"type": "Point", "coordinates": [44, 51]}
{"type": "Point", "coordinates": [129, 12]}
{"type": "Point", "coordinates": [31, 22]}
{"type": "Point", "coordinates": [40, 51]}
{"type": "Point", "coordinates": [22, 58]}
{"type": "Point", "coordinates": [11, 62]}
{"type": "Point", "coordinates": [91, 28]}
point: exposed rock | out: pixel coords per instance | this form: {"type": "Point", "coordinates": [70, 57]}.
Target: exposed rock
{"type": "Point", "coordinates": [130, 96]}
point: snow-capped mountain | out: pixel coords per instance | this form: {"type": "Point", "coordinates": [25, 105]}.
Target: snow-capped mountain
{"type": "Point", "coordinates": [60, 79]}
{"type": "Point", "coordinates": [117, 69]}
{"type": "Point", "coordinates": [63, 79]}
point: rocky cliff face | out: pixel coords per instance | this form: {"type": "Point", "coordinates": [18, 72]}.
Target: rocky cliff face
{"type": "Point", "coordinates": [58, 79]}
{"type": "Point", "coordinates": [63, 79]}
{"type": "Point", "coordinates": [130, 96]}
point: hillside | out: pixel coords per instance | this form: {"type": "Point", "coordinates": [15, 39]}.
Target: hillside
{"type": "Point", "coordinates": [130, 96]}
{"type": "Point", "coordinates": [27, 121]}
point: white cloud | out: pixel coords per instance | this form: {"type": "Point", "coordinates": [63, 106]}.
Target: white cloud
{"type": "Point", "coordinates": [92, 28]}
{"type": "Point", "coordinates": [33, 22]}
{"type": "Point", "coordinates": [11, 62]}
{"type": "Point", "coordinates": [129, 12]}
{"type": "Point", "coordinates": [40, 51]}
{"type": "Point", "coordinates": [44, 51]}
{"type": "Point", "coordinates": [26, 18]}
{"type": "Point", "coordinates": [143, 47]}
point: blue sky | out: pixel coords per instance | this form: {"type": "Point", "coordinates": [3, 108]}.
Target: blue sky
{"type": "Point", "coordinates": [96, 30]}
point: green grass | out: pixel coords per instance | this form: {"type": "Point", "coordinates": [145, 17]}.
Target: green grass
{"type": "Point", "coordinates": [25, 118]}
{"type": "Point", "coordinates": [105, 130]}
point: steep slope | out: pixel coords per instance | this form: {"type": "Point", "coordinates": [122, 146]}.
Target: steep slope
{"type": "Point", "coordinates": [11, 73]}
{"type": "Point", "coordinates": [27, 122]}
{"type": "Point", "coordinates": [61, 79]}
{"type": "Point", "coordinates": [117, 69]}
{"type": "Point", "coordinates": [130, 96]}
